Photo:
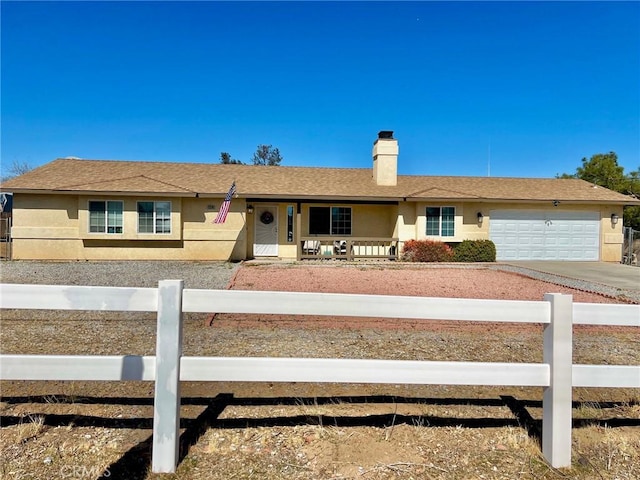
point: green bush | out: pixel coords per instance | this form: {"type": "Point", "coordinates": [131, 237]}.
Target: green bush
{"type": "Point", "coordinates": [427, 251]}
{"type": "Point", "coordinates": [475, 251]}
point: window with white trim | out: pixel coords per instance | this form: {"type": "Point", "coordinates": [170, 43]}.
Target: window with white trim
{"type": "Point", "coordinates": [330, 220]}
{"type": "Point", "coordinates": [154, 217]}
{"type": "Point", "coordinates": [441, 221]}
{"type": "Point", "coordinates": [105, 216]}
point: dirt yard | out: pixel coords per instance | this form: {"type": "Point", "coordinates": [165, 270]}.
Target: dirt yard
{"type": "Point", "coordinates": [311, 431]}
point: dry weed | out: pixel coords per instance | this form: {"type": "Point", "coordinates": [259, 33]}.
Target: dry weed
{"type": "Point", "coordinates": [28, 430]}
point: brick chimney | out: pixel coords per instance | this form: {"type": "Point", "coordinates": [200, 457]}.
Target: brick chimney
{"type": "Point", "coordinates": [385, 159]}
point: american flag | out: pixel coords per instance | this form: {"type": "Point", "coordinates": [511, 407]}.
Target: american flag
{"type": "Point", "coordinates": [224, 208]}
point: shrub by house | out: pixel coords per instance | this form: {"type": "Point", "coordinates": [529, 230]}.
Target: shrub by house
{"type": "Point", "coordinates": [427, 251]}
{"type": "Point", "coordinates": [475, 251]}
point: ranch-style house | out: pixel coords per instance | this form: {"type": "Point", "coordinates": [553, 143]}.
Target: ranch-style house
{"type": "Point", "coordinates": [75, 209]}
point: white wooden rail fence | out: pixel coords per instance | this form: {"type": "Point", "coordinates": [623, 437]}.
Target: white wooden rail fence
{"type": "Point", "coordinates": [557, 375]}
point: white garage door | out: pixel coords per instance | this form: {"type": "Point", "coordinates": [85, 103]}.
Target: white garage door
{"type": "Point", "coordinates": [545, 235]}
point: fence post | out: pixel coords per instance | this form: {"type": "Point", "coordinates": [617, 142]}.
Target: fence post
{"type": "Point", "coordinates": [556, 402]}
{"type": "Point", "coordinates": [166, 406]}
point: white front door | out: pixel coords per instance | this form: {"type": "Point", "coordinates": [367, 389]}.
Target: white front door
{"type": "Point", "coordinates": [265, 243]}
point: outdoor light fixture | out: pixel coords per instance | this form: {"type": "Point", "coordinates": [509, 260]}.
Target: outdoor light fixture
{"type": "Point", "coordinates": [614, 219]}
{"type": "Point", "coordinates": [480, 217]}
{"type": "Point", "coordinates": [249, 208]}
{"type": "Point", "coordinates": [556, 203]}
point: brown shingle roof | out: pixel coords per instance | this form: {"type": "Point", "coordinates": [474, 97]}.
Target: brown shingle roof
{"type": "Point", "coordinates": [189, 179]}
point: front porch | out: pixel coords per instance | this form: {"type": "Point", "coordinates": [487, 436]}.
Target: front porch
{"type": "Point", "coordinates": [348, 248]}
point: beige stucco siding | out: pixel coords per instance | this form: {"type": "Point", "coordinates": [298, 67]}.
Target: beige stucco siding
{"type": "Point", "coordinates": [39, 216]}
{"type": "Point", "coordinates": [55, 227]}
{"type": "Point", "coordinates": [130, 219]}
{"type": "Point", "coordinates": [46, 249]}
{"type": "Point", "coordinates": [45, 227]}
{"type": "Point", "coordinates": [411, 222]}
{"type": "Point", "coordinates": [405, 227]}
{"type": "Point", "coordinates": [612, 237]}
{"type": "Point", "coordinates": [205, 240]}
{"type": "Point", "coordinates": [472, 228]}
{"type": "Point", "coordinates": [373, 220]}
{"type": "Point", "coordinates": [198, 215]}
{"type": "Point", "coordinates": [366, 220]}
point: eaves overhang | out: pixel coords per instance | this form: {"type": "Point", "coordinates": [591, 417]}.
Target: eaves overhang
{"type": "Point", "coordinates": [519, 201]}
{"type": "Point", "coordinates": [318, 198]}
{"type": "Point", "coordinates": [629, 201]}
{"type": "Point", "coordinates": [105, 193]}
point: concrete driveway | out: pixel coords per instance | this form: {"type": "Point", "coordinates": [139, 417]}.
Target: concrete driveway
{"type": "Point", "coordinates": [626, 277]}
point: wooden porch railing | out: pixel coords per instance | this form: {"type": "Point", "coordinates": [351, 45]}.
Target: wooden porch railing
{"type": "Point", "coordinates": [348, 248]}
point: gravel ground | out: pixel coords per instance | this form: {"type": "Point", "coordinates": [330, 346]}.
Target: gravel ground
{"type": "Point", "coordinates": [583, 285]}
{"type": "Point", "coordinates": [307, 431]}
{"type": "Point", "coordinates": [200, 275]}
{"type": "Point", "coordinates": [208, 275]}
{"type": "Point", "coordinates": [212, 275]}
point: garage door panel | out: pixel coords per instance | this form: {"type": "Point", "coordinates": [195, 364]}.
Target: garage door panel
{"type": "Point", "coordinates": [510, 254]}
{"type": "Point", "coordinates": [591, 242]}
{"type": "Point", "coordinates": [545, 235]}
{"type": "Point", "coordinates": [575, 242]}
{"type": "Point", "coordinates": [510, 240]}
{"type": "Point", "coordinates": [535, 255]}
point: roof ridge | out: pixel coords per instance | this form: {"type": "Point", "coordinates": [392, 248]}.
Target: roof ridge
{"type": "Point", "coordinates": [167, 183]}
{"type": "Point", "coordinates": [224, 165]}
{"type": "Point", "coordinates": [123, 178]}
{"type": "Point", "coordinates": [444, 190]}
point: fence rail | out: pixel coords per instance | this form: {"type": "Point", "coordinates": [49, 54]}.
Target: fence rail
{"type": "Point", "coordinates": [557, 375]}
{"type": "Point", "coordinates": [5, 236]}
{"type": "Point", "coordinates": [631, 247]}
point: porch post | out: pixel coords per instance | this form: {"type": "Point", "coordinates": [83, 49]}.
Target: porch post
{"type": "Point", "coordinates": [298, 231]}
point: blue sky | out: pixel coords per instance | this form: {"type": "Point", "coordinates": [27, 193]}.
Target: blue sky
{"type": "Point", "coordinates": [530, 88]}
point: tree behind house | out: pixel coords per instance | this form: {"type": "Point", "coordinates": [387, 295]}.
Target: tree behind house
{"type": "Point", "coordinates": [267, 155]}
{"type": "Point", "coordinates": [603, 169]}
{"type": "Point", "coordinates": [16, 169]}
{"type": "Point", "coordinates": [225, 158]}
{"type": "Point", "coordinates": [264, 155]}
